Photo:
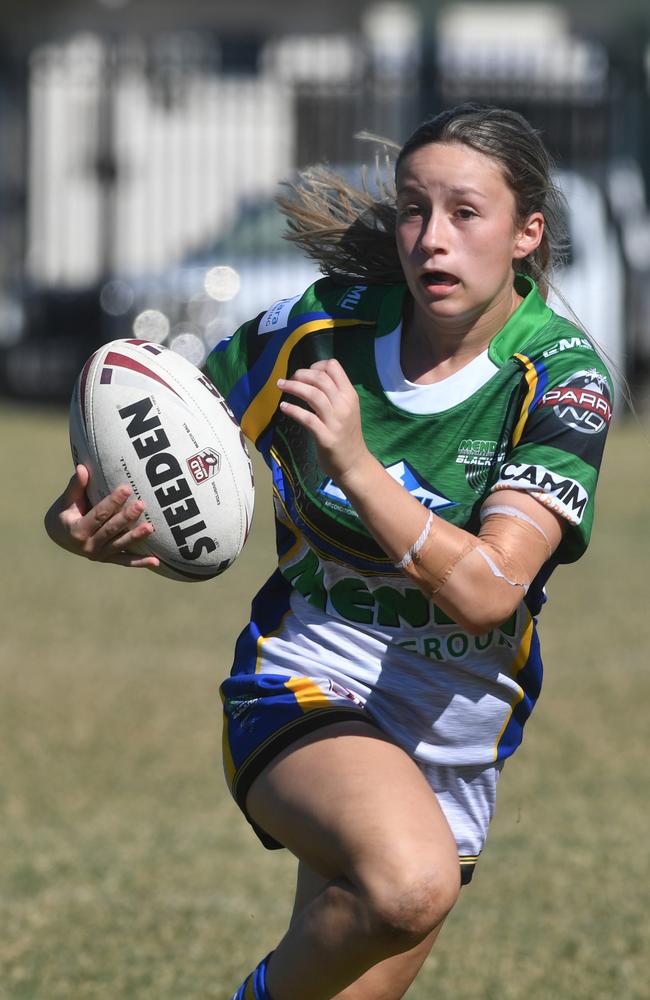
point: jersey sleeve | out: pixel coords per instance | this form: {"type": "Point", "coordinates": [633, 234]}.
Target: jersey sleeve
{"type": "Point", "coordinates": [245, 367]}
{"type": "Point", "coordinates": [558, 441]}
{"type": "Point", "coordinates": [227, 364]}
{"type": "Point", "coordinates": [293, 332]}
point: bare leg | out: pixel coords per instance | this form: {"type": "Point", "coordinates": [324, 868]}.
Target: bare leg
{"type": "Point", "coordinates": [388, 980]}
{"type": "Point", "coordinates": [358, 812]}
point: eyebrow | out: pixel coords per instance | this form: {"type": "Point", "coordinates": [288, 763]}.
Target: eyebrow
{"type": "Point", "coordinates": [457, 189]}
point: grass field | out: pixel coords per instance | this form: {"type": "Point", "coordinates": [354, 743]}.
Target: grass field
{"type": "Point", "coordinates": [125, 870]}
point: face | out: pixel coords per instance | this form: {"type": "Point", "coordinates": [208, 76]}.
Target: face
{"type": "Point", "coordinates": [457, 236]}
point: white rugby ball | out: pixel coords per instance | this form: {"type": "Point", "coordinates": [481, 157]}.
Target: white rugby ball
{"type": "Point", "coordinates": [143, 415]}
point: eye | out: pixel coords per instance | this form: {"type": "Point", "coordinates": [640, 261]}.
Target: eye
{"type": "Point", "coordinates": [410, 211]}
{"type": "Point", "coordinates": [465, 214]}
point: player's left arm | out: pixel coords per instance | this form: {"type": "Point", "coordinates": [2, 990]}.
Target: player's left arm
{"type": "Point", "coordinates": [477, 580]}
{"type": "Point", "coordinates": [543, 500]}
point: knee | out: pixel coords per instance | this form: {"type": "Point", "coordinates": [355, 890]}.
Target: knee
{"type": "Point", "coordinates": [406, 905]}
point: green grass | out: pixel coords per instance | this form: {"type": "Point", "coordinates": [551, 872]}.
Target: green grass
{"type": "Point", "coordinates": [126, 871]}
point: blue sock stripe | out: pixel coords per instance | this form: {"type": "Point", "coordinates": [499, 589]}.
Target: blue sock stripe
{"type": "Point", "coordinates": [254, 986]}
{"type": "Point", "coordinates": [260, 981]}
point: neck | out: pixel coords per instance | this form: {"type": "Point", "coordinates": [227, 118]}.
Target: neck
{"type": "Point", "coordinates": [433, 349]}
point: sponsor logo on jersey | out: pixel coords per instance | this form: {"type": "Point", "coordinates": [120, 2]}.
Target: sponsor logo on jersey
{"type": "Point", "coordinates": [204, 465]}
{"type": "Point", "coordinates": [329, 489]}
{"type": "Point", "coordinates": [277, 317]}
{"type": "Point", "coordinates": [565, 495]}
{"type": "Point", "coordinates": [397, 606]}
{"type": "Point", "coordinates": [477, 456]}
{"type": "Point", "coordinates": [582, 402]}
{"type": "Point", "coordinates": [407, 477]}
{"type": "Point", "coordinates": [352, 297]}
{"type": "Point", "coordinates": [566, 344]}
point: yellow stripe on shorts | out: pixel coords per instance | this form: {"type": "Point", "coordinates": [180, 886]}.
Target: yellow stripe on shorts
{"type": "Point", "coordinates": [307, 694]}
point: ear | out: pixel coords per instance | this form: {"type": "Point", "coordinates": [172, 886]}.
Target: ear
{"type": "Point", "coordinates": [529, 237]}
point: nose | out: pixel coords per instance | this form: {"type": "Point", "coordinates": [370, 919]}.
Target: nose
{"type": "Point", "coordinates": [434, 237]}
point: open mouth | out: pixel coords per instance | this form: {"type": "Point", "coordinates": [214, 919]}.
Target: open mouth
{"type": "Point", "coordinates": [439, 279]}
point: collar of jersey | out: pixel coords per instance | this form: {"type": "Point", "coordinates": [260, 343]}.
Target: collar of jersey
{"type": "Point", "coordinates": [429, 398]}
{"type": "Point", "coordinates": [529, 317]}
{"type": "Point", "coordinates": [526, 321]}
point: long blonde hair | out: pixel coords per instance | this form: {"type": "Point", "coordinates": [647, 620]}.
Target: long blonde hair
{"type": "Point", "coordinates": [346, 229]}
{"type": "Point", "coordinates": [350, 230]}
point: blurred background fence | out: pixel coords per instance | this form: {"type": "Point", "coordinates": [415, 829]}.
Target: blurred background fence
{"type": "Point", "coordinates": [141, 146]}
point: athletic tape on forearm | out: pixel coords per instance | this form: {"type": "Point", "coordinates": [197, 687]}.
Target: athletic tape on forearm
{"type": "Point", "coordinates": [409, 556]}
{"type": "Point", "coordinates": [512, 549]}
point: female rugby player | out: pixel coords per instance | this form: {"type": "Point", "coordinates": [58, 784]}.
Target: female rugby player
{"type": "Point", "coordinates": [434, 432]}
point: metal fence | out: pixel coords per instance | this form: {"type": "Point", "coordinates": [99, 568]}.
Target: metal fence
{"type": "Point", "coordinates": [137, 188]}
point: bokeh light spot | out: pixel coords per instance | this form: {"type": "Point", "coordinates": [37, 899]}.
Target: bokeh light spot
{"type": "Point", "coordinates": [151, 325]}
{"type": "Point", "coordinates": [190, 346]}
{"type": "Point", "coordinates": [116, 297]}
{"type": "Point", "coordinates": [222, 283]}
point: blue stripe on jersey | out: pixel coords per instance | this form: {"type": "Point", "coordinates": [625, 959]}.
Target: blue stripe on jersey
{"type": "Point", "coordinates": [284, 538]}
{"type": "Point", "coordinates": [278, 480]}
{"type": "Point", "coordinates": [254, 380]}
{"type": "Point", "coordinates": [530, 680]}
{"type": "Point", "coordinates": [542, 382]}
{"type": "Point", "coordinates": [221, 345]}
{"type": "Point", "coordinates": [269, 607]}
{"type": "Point", "coordinates": [263, 445]}
{"type": "Point", "coordinates": [537, 381]}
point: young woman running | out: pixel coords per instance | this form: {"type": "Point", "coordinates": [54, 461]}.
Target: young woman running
{"type": "Point", "coordinates": [434, 433]}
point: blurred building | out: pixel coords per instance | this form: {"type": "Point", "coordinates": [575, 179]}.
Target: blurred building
{"type": "Point", "coordinates": [143, 143]}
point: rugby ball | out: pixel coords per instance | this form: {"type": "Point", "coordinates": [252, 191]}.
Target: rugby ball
{"type": "Point", "coordinates": [142, 414]}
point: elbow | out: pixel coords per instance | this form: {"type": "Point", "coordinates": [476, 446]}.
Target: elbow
{"type": "Point", "coordinates": [480, 624]}
{"type": "Point", "coordinates": [484, 614]}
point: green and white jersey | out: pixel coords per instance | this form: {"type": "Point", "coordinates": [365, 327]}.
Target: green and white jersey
{"type": "Point", "coordinates": [531, 413]}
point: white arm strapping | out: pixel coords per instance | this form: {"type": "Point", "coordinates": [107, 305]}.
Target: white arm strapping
{"type": "Point", "coordinates": [417, 544]}
{"type": "Point", "coordinates": [497, 572]}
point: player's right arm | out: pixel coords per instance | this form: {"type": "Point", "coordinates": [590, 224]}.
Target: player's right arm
{"type": "Point", "coordinates": [101, 533]}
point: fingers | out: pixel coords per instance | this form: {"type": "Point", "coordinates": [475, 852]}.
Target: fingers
{"type": "Point", "coordinates": [106, 531]}
{"type": "Point", "coordinates": [83, 476]}
{"type": "Point", "coordinates": [332, 413]}
{"type": "Point", "coordinates": [304, 417]}
{"type": "Point", "coordinates": [324, 383]}
{"type": "Point", "coordinates": [74, 495]}
{"type": "Point", "coordinates": [328, 375]}
{"type": "Point", "coordinates": [112, 526]}
{"type": "Point", "coordinates": [109, 529]}
{"type": "Point", "coordinates": [135, 562]}
{"type": "Point", "coordinates": [113, 538]}
{"type": "Point", "coordinates": [112, 506]}
{"type": "Point", "coordinates": [335, 370]}
{"type": "Point", "coordinates": [306, 385]}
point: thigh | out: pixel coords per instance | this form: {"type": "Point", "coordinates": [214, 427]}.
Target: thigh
{"type": "Point", "coordinates": [349, 802]}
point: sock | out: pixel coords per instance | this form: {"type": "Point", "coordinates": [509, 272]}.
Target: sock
{"type": "Point", "coordinates": [254, 986]}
